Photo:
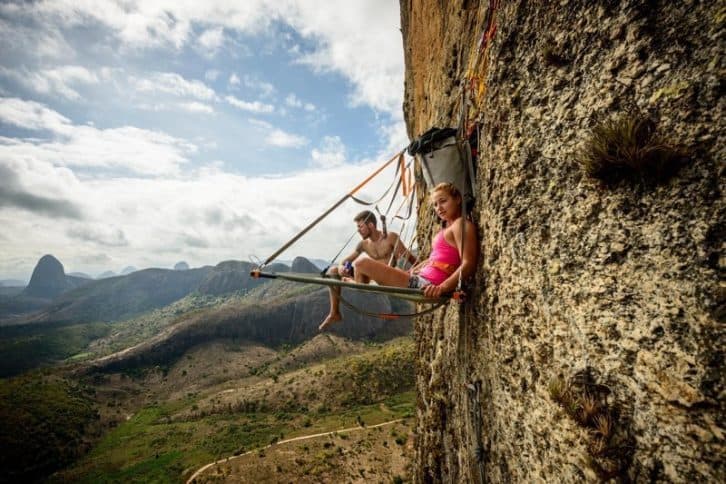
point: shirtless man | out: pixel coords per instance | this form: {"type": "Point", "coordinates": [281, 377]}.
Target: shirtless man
{"type": "Point", "coordinates": [373, 245]}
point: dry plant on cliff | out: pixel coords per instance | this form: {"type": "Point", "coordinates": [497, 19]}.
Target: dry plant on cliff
{"type": "Point", "coordinates": [586, 402]}
{"type": "Point", "coordinates": [626, 147]}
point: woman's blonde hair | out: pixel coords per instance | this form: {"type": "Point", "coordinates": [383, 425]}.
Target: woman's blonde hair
{"type": "Point", "coordinates": [447, 187]}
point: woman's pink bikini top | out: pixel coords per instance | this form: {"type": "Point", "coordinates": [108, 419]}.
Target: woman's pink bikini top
{"type": "Point", "coordinates": [443, 261]}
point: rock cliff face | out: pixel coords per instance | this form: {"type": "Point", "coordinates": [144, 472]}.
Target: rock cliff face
{"type": "Point", "coordinates": [611, 292]}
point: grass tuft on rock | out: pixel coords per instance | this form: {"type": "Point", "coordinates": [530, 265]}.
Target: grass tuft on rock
{"type": "Point", "coordinates": [590, 405]}
{"type": "Point", "coordinates": [626, 147]}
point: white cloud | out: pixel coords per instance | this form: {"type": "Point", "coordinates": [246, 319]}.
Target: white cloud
{"type": "Point", "coordinates": [360, 40]}
{"type": "Point", "coordinates": [57, 80]}
{"type": "Point", "coordinates": [174, 84]}
{"type": "Point", "coordinates": [211, 40]}
{"type": "Point", "coordinates": [395, 136]}
{"type": "Point", "coordinates": [292, 101]}
{"type": "Point", "coordinates": [197, 107]}
{"type": "Point", "coordinates": [260, 123]}
{"type": "Point", "coordinates": [330, 154]}
{"type": "Point", "coordinates": [32, 115]}
{"type": "Point", "coordinates": [284, 139]}
{"type": "Point", "coordinates": [100, 234]}
{"type": "Point", "coordinates": [265, 88]}
{"type": "Point", "coordinates": [155, 107]}
{"type": "Point", "coordinates": [277, 137]}
{"type": "Point", "coordinates": [45, 43]}
{"type": "Point", "coordinates": [254, 106]}
{"type": "Point", "coordinates": [211, 74]}
{"type": "Point", "coordinates": [138, 150]}
{"type": "Point", "coordinates": [157, 23]}
{"type": "Point", "coordinates": [234, 80]}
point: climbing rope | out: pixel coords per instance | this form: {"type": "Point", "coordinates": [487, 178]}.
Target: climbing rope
{"type": "Point", "coordinates": [335, 257]}
{"type": "Point", "coordinates": [390, 316]}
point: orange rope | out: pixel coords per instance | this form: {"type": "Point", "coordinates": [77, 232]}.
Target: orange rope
{"type": "Point", "coordinates": [404, 178]}
{"type": "Point", "coordinates": [372, 175]}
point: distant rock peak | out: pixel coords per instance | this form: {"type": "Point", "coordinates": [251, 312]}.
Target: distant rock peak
{"type": "Point", "coordinates": [301, 264]}
{"type": "Point", "coordinates": [48, 279]}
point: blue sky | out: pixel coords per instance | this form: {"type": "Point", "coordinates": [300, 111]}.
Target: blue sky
{"type": "Point", "coordinates": [147, 132]}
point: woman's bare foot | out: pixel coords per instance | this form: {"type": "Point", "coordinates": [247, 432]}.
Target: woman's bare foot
{"type": "Point", "coordinates": [332, 318]}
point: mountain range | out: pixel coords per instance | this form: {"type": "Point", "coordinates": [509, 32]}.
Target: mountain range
{"type": "Point", "coordinates": [200, 345]}
{"type": "Point", "coordinates": [114, 296]}
{"type": "Point", "coordinates": [223, 301]}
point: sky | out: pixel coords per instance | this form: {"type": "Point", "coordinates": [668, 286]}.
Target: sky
{"type": "Point", "coordinates": [144, 133]}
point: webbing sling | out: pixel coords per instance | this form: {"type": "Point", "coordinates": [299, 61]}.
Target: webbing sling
{"type": "Point", "coordinates": [328, 211]}
{"type": "Point", "coordinates": [399, 241]}
{"type": "Point", "coordinates": [395, 177]}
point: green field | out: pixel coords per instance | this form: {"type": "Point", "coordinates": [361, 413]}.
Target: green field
{"type": "Point", "coordinates": [150, 447]}
{"type": "Point", "coordinates": [43, 423]}
{"type": "Point", "coordinates": [219, 395]}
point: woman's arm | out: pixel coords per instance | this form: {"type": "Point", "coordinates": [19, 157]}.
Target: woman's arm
{"type": "Point", "coordinates": [471, 250]}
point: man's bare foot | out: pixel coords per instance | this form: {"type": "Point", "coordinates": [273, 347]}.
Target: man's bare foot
{"type": "Point", "coordinates": [332, 318]}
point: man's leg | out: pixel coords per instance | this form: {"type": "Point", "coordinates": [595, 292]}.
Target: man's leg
{"type": "Point", "coordinates": [334, 315]}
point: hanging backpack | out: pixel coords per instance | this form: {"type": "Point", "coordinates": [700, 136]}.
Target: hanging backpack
{"type": "Point", "coordinates": [444, 158]}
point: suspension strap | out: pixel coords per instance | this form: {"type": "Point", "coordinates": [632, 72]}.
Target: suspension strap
{"type": "Point", "coordinates": [332, 261]}
{"type": "Point", "coordinates": [328, 211]}
{"type": "Point", "coordinates": [392, 316]}
{"type": "Point", "coordinates": [407, 185]}
{"type": "Point", "coordinates": [396, 178]}
{"type": "Point", "coordinates": [384, 227]}
{"type": "Point", "coordinates": [465, 154]}
{"type": "Point", "coordinates": [399, 241]}
{"type": "Point", "coordinates": [463, 240]}
{"type": "Point", "coordinates": [400, 184]}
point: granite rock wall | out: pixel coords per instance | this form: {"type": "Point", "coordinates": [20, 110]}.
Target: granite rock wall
{"type": "Point", "coordinates": [621, 283]}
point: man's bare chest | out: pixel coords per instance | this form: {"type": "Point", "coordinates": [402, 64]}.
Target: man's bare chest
{"type": "Point", "coordinates": [379, 250]}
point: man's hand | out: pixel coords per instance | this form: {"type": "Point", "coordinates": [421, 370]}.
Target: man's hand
{"type": "Point", "coordinates": [345, 270]}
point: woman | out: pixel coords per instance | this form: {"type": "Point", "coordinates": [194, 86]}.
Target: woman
{"type": "Point", "coordinates": [450, 255]}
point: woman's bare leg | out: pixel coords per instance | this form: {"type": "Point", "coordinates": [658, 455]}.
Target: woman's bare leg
{"type": "Point", "coordinates": [385, 275]}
